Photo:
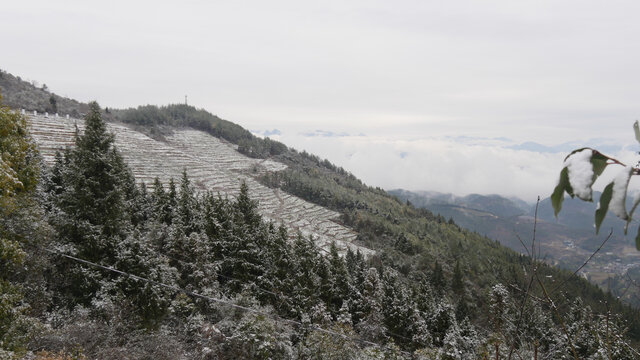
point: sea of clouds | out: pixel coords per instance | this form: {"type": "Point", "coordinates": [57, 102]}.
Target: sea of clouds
{"type": "Point", "coordinates": [452, 164]}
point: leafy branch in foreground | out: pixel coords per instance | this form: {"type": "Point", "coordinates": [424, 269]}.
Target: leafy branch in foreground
{"type": "Point", "coordinates": [581, 169]}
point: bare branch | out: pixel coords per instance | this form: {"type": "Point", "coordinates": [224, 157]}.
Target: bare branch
{"type": "Point", "coordinates": [555, 309]}
{"type": "Point", "coordinates": [535, 225]}
{"type": "Point", "coordinates": [533, 271]}
{"type": "Point", "coordinates": [585, 263]}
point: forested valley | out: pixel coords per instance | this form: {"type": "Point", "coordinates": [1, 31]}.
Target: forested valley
{"type": "Point", "coordinates": [94, 265]}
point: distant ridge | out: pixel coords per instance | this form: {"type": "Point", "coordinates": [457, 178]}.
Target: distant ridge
{"type": "Point", "coordinates": [566, 241]}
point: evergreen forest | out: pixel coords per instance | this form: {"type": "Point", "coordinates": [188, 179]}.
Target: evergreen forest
{"type": "Point", "coordinates": [95, 265]}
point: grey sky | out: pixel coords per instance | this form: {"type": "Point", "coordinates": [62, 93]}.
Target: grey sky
{"type": "Point", "coordinates": [401, 72]}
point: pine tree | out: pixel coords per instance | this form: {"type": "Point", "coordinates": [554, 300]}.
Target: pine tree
{"type": "Point", "coordinates": [422, 337]}
{"type": "Point", "coordinates": [457, 282]}
{"type": "Point", "coordinates": [341, 280]}
{"type": "Point", "coordinates": [404, 245]}
{"type": "Point", "coordinates": [500, 315]}
{"type": "Point", "coordinates": [397, 308]}
{"type": "Point", "coordinates": [240, 247]}
{"type": "Point", "coordinates": [211, 226]}
{"type": "Point", "coordinates": [423, 294]}
{"type": "Point", "coordinates": [457, 285]}
{"type": "Point", "coordinates": [135, 204]}
{"type": "Point", "coordinates": [254, 337]}
{"type": "Point", "coordinates": [93, 203]}
{"type": "Point", "coordinates": [278, 261]}
{"type": "Point", "coordinates": [537, 330]}
{"type": "Point", "coordinates": [357, 270]}
{"type": "Point", "coordinates": [161, 206]}
{"type": "Point", "coordinates": [53, 182]}
{"type": "Point", "coordinates": [246, 206]}
{"type": "Point", "coordinates": [172, 200]}
{"type": "Point", "coordinates": [142, 205]}
{"type": "Point", "coordinates": [326, 285]}
{"type": "Point", "coordinates": [186, 204]}
{"type": "Point", "coordinates": [440, 319]}
{"type": "Point", "coordinates": [372, 326]}
{"type": "Point", "coordinates": [92, 212]}
{"type": "Point", "coordinates": [593, 336]}
{"type": "Point", "coordinates": [460, 342]}
{"type": "Point", "coordinates": [344, 315]}
{"type": "Point", "coordinates": [134, 255]}
{"type": "Point", "coordinates": [437, 278]}
{"type": "Point", "coordinates": [306, 281]}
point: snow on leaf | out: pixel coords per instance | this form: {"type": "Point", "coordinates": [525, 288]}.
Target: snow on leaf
{"type": "Point", "coordinates": [580, 171]}
{"type": "Point", "coordinates": [619, 195]}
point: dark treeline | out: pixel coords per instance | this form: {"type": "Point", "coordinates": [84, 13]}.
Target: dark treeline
{"type": "Point", "coordinates": [410, 298]}
{"type": "Point", "coordinates": [20, 94]}
{"type": "Point", "coordinates": [153, 120]}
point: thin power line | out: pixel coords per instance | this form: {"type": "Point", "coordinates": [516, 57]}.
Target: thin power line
{"type": "Point", "coordinates": [278, 295]}
{"type": "Point", "coordinates": [210, 298]}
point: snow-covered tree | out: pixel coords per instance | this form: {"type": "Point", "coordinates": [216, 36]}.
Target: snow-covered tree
{"type": "Point", "coordinates": [344, 315]}
{"type": "Point", "coordinates": [340, 279]}
{"type": "Point", "coordinates": [161, 206]}
{"type": "Point", "coordinates": [92, 205]}
{"type": "Point", "coordinates": [460, 343]}
{"type": "Point", "coordinates": [422, 337]}
{"type": "Point", "coordinates": [255, 336]}
{"type": "Point", "coordinates": [186, 210]}
{"type": "Point", "coordinates": [500, 313]}
{"type": "Point", "coordinates": [440, 319]}
{"type": "Point", "coordinates": [134, 255]}
{"type": "Point", "coordinates": [398, 308]}
{"type": "Point", "coordinates": [339, 344]}
{"type": "Point", "coordinates": [372, 325]}
{"type": "Point", "coordinates": [306, 282]}
{"type": "Point", "coordinates": [594, 336]}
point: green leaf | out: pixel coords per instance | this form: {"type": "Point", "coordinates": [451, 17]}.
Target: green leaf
{"type": "Point", "coordinates": [636, 202]}
{"type": "Point", "coordinates": [636, 129]}
{"type": "Point", "coordinates": [599, 163]}
{"type": "Point", "coordinates": [558, 193]}
{"type": "Point", "coordinates": [603, 205]}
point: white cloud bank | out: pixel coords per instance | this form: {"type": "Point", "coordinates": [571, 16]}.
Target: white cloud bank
{"type": "Point", "coordinates": [458, 165]}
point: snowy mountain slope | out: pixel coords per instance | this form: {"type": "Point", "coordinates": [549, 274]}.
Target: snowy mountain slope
{"type": "Point", "coordinates": [212, 164]}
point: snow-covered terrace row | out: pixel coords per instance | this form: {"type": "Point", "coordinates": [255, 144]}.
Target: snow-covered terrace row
{"type": "Point", "coordinates": [212, 164]}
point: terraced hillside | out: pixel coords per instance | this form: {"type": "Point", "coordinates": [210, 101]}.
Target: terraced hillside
{"type": "Point", "coordinates": [212, 164]}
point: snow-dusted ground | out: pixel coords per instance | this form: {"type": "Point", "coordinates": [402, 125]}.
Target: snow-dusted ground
{"type": "Point", "coordinates": [212, 164]}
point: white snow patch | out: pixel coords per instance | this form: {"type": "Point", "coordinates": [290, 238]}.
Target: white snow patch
{"type": "Point", "coordinates": [580, 173]}
{"type": "Point", "coordinates": [620, 184]}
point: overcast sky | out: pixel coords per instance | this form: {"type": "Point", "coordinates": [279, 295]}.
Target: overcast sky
{"type": "Point", "coordinates": [424, 95]}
